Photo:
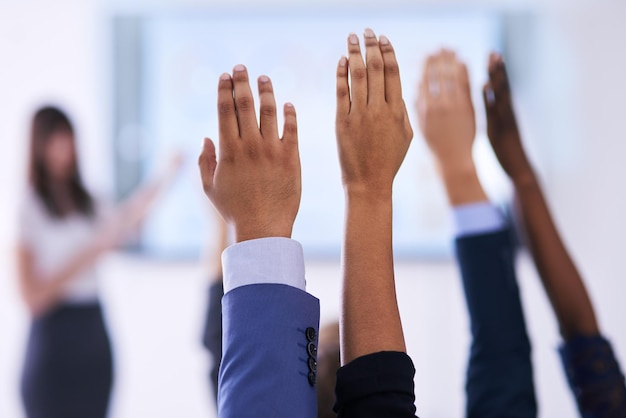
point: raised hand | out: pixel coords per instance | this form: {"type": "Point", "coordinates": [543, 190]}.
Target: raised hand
{"type": "Point", "coordinates": [447, 122]}
{"type": "Point", "coordinates": [373, 136]}
{"type": "Point", "coordinates": [446, 113]}
{"type": "Point", "coordinates": [557, 270]}
{"type": "Point", "coordinates": [501, 124]}
{"type": "Point", "coordinates": [256, 183]}
{"type": "Point", "coordinates": [373, 129]}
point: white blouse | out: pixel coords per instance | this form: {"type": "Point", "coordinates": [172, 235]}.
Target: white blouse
{"type": "Point", "coordinates": [53, 242]}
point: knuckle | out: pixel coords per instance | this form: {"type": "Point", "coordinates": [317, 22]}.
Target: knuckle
{"type": "Point", "coordinates": [225, 108]}
{"type": "Point", "coordinates": [343, 92]}
{"type": "Point", "coordinates": [267, 110]}
{"type": "Point", "coordinates": [391, 68]}
{"type": "Point", "coordinates": [291, 129]}
{"type": "Point", "coordinates": [290, 111]}
{"type": "Point", "coordinates": [225, 85]}
{"type": "Point", "coordinates": [252, 150]}
{"type": "Point", "coordinates": [240, 76]}
{"type": "Point", "coordinates": [206, 187]}
{"type": "Point", "coordinates": [244, 103]}
{"type": "Point", "coordinates": [376, 64]}
{"type": "Point", "coordinates": [265, 88]}
{"type": "Point", "coordinates": [359, 73]}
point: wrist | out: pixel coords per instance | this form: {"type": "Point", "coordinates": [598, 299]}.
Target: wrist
{"type": "Point", "coordinates": [262, 230]}
{"type": "Point", "coordinates": [525, 179]}
{"type": "Point", "coordinates": [463, 185]}
{"type": "Point", "coordinates": [368, 208]}
{"type": "Point", "coordinates": [368, 195]}
{"type": "Point", "coordinates": [461, 169]}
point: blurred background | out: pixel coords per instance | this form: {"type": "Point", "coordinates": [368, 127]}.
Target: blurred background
{"type": "Point", "coordinates": [139, 80]}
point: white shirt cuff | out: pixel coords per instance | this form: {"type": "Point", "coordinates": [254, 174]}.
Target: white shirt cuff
{"type": "Point", "coordinates": [262, 261]}
{"type": "Point", "coordinates": [477, 218]}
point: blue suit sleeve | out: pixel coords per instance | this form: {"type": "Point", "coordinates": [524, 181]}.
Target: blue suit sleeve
{"type": "Point", "coordinates": [499, 376]}
{"type": "Point", "coordinates": [594, 376]}
{"type": "Point", "coordinates": [212, 335]}
{"type": "Point", "coordinates": [269, 359]}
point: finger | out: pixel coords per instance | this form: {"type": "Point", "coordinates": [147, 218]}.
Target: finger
{"type": "Point", "coordinates": [493, 59]}
{"type": "Point", "coordinates": [431, 77]}
{"type": "Point", "coordinates": [375, 68]}
{"type": "Point", "coordinates": [423, 93]}
{"type": "Point", "coordinates": [462, 80]}
{"type": "Point", "coordinates": [227, 115]}
{"type": "Point", "coordinates": [463, 75]}
{"type": "Point", "coordinates": [244, 103]}
{"type": "Point", "coordinates": [497, 75]}
{"type": "Point", "coordinates": [267, 108]}
{"type": "Point", "coordinates": [290, 129]}
{"type": "Point", "coordinates": [423, 103]}
{"type": "Point", "coordinates": [358, 73]}
{"type": "Point", "coordinates": [447, 73]}
{"type": "Point", "coordinates": [343, 89]}
{"type": "Point", "coordinates": [393, 86]}
{"type": "Point", "coordinates": [207, 163]}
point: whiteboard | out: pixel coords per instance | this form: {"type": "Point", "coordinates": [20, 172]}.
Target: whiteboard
{"type": "Point", "coordinates": [183, 57]}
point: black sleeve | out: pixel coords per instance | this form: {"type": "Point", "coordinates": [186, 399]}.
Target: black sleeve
{"type": "Point", "coordinates": [212, 333]}
{"type": "Point", "coordinates": [594, 376]}
{"type": "Point", "coordinates": [376, 385]}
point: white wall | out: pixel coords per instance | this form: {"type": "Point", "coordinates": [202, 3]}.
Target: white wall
{"type": "Point", "coordinates": [58, 51]}
{"type": "Point", "coordinates": [49, 52]}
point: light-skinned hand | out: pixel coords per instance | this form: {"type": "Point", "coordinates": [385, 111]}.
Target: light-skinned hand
{"type": "Point", "coordinates": [446, 118]}
{"type": "Point", "coordinates": [445, 111]}
{"type": "Point", "coordinates": [255, 185]}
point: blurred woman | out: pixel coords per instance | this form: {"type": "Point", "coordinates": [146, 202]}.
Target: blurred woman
{"type": "Point", "coordinates": [68, 368]}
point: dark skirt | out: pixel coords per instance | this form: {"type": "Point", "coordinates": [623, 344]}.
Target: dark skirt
{"type": "Point", "coordinates": [68, 370]}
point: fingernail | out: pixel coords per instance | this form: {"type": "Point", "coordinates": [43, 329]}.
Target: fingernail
{"type": "Point", "coordinates": [383, 40]}
{"type": "Point", "coordinates": [264, 79]}
{"type": "Point", "coordinates": [289, 105]}
{"type": "Point", "coordinates": [225, 77]}
{"type": "Point", "coordinates": [369, 33]}
{"type": "Point", "coordinates": [239, 67]}
{"type": "Point", "coordinates": [343, 62]}
{"type": "Point", "coordinates": [353, 39]}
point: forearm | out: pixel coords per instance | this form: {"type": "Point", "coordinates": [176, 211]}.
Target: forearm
{"type": "Point", "coordinates": [370, 318]}
{"type": "Point", "coordinates": [559, 275]}
{"type": "Point", "coordinates": [499, 374]}
{"type": "Point", "coordinates": [462, 184]}
{"type": "Point", "coordinates": [270, 328]}
{"type": "Point", "coordinates": [214, 258]}
{"type": "Point", "coordinates": [42, 293]}
{"type": "Point", "coordinates": [134, 209]}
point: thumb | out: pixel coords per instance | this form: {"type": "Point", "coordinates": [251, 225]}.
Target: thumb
{"type": "Point", "coordinates": [207, 163]}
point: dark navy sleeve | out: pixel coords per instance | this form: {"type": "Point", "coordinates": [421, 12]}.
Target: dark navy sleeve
{"type": "Point", "coordinates": [269, 361]}
{"type": "Point", "coordinates": [499, 375]}
{"type": "Point", "coordinates": [212, 334]}
{"type": "Point", "coordinates": [594, 377]}
{"type": "Point", "coordinates": [376, 385]}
